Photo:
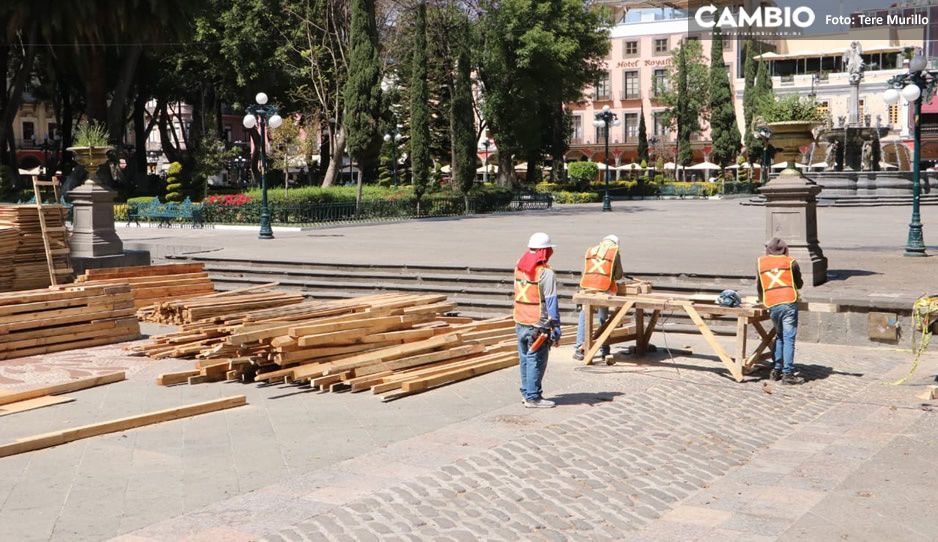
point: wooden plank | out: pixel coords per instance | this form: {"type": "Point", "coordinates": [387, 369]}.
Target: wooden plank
{"type": "Point", "coordinates": [65, 387]}
{"type": "Point", "coordinates": [169, 379]}
{"type": "Point", "coordinates": [611, 324]}
{"type": "Point", "coordinates": [56, 438]}
{"type": "Point", "coordinates": [649, 330]}
{"type": "Point", "coordinates": [394, 352]}
{"type": "Point", "coordinates": [423, 359]}
{"type": "Point", "coordinates": [37, 402]}
{"type": "Point", "coordinates": [741, 336]}
{"type": "Point", "coordinates": [453, 376]}
{"type": "Point", "coordinates": [712, 341]}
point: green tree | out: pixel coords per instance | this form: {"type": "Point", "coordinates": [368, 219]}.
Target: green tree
{"type": "Point", "coordinates": [536, 56]}
{"type": "Point", "coordinates": [175, 183]}
{"type": "Point", "coordinates": [724, 131]}
{"type": "Point", "coordinates": [363, 92]}
{"type": "Point", "coordinates": [419, 107]}
{"type": "Point", "coordinates": [463, 121]}
{"type": "Point", "coordinates": [642, 137]}
{"type": "Point", "coordinates": [685, 109]}
{"type": "Point", "coordinates": [749, 92]}
{"type": "Point", "coordinates": [761, 95]}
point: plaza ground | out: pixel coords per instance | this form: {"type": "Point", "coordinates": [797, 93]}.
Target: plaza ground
{"type": "Point", "coordinates": [663, 448]}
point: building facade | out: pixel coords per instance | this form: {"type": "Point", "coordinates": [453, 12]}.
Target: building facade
{"type": "Point", "coordinates": [639, 61]}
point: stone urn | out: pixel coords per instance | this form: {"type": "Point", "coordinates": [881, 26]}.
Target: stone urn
{"type": "Point", "coordinates": [788, 138]}
{"type": "Point", "coordinates": [90, 158]}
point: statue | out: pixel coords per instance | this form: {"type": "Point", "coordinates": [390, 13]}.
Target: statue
{"type": "Point", "coordinates": [853, 62]}
{"type": "Point", "coordinates": [830, 157]}
{"type": "Point", "coordinates": [866, 156]}
{"type": "Point", "coordinates": [841, 120]}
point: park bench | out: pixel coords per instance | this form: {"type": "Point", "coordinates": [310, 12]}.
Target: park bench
{"type": "Point", "coordinates": [166, 213]}
{"type": "Point", "coordinates": [670, 190]}
{"type": "Point", "coordinates": [533, 200]}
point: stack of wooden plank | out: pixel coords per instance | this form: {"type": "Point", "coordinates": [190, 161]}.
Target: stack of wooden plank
{"type": "Point", "coordinates": [9, 242]}
{"type": "Point", "coordinates": [42, 321]}
{"type": "Point", "coordinates": [392, 344]}
{"type": "Point", "coordinates": [221, 305]}
{"type": "Point", "coordinates": [29, 264]}
{"type": "Point", "coordinates": [153, 284]}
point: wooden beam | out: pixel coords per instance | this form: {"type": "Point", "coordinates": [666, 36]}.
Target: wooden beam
{"type": "Point", "coordinates": [36, 402]}
{"type": "Point", "coordinates": [65, 387]}
{"type": "Point", "coordinates": [712, 341]}
{"type": "Point", "coordinates": [611, 324]}
{"type": "Point", "coordinates": [56, 438]}
{"type": "Point", "coordinates": [169, 379]}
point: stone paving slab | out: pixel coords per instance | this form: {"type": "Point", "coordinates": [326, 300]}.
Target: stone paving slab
{"type": "Point", "coordinates": [679, 454]}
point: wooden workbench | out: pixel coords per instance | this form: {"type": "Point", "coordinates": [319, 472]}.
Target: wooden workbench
{"type": "Point", "coordinates": [698, 308]}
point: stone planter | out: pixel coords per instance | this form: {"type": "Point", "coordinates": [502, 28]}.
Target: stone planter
{"type": "Point", "coordinates": [90, 158]}
{"type": "Point", "coordinates": [788, 138]}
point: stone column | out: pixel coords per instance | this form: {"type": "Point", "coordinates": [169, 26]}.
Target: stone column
{"type": "Point", "coordinates": [791, 215]}
{"type": "Point", "coordinates": [93, 233]}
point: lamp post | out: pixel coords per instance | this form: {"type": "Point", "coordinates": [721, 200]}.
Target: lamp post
{"type": "Point", "coordinates": [263, 116]}
{"type": "Point", "coordinates": [486, 143]}
{"type": "Point", "coordinates": [393, 136]}
{"type": "Point", "coordinates": [604, 119]}
{"type": "Point", "coordinates": [917, 85]}
{"type": "Point", "coordinates": [764, 134]}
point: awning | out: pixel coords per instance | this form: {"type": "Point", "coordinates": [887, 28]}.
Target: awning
{"type": "Point", "coordinates": [705, 166]}
{"type": "Point", "coordinates": [492, 169]}
{"type": "Point", "coordinates": [744, 165]}
{"type": "Point", "coordinates": [629, 167]}
{"type": "Point", "coordinates": [931, 107]}
{"type": "Point", "coordinates": [783, 165]}
{"type": "Point", "coordinates": [834, 52]}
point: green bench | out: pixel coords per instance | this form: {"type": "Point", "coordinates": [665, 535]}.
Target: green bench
{"type": "Point", "coordinates": [166, 213]}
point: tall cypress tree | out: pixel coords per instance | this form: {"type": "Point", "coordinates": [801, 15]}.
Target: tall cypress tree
{"type": "Point", "coordinates": [761, 92]}
{"type": "Point", "coordinates": [749, 93]}
{"type": "Point", "coordinates": [363, 91]}
{"type": "Point", "coordinates": [463, 121]}
{"type": "Point", "coordinates": [723, 130]}
{"type": "Point", "coordinates": [642, 137]}
{"type": "Point", "coordinates": [419, 108]}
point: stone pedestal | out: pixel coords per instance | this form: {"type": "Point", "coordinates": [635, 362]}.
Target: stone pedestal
{"type": "Point", "coordinates": [93, 234]}
{"type": "Point", "coordinates": [791, 215]}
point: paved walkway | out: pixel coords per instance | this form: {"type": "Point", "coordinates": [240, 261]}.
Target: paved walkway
{"type": "Point", "coordinates": [863, 245]}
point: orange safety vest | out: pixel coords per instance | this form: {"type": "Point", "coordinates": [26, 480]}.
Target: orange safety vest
{"type": "Point", "coordinates": [777, 280]}
{"type": "Point", "coordinates": [528, 302]}
{"type": "Point", "coordinates": [597, 272]}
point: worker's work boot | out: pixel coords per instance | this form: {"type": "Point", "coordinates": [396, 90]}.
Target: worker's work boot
{"type": "Point", "coordinates": [775, 375]}
{"type": "Point", "coordinates": [791, 379]}
{"type": "Point", "coordinates": [539, 403]}
{"type": "Point", "coordinates": [578, 355]}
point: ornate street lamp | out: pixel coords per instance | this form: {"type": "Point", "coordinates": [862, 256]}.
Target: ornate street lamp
{"type": "Point", "coordinates": [486, 143]}
{"type": "Point", "coordinates": [263, 116]}
{"type": "Point", "coordinates": [393, 137]}
{"type": "Point", "coordinates": [764, 134]}
{"type": "Point", "coordinates": [605, 119]}
{"type": "Point", "coordinates": [916, 86]}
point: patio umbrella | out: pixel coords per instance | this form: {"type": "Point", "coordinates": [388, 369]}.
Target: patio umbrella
{"type": "Point", "coordinates": [783, 165]}
{"type": "Point", "coordinates": [744, 165]}
{"type": "Point", "coordinates": [705, 166]}
{"type": "Point", "coordinates": [492, 169]}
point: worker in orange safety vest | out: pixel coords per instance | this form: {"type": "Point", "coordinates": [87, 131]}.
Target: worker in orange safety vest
{"type": "Point", "coordinates": [601, 269]}
{"type": "Point", "coordinates": [536, 311]}
{"type": "Point", "coordinates": [777, 284]}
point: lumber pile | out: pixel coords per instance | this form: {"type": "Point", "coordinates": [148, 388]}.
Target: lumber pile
{"type": "Point", "coordinates": [152, 284]}
{"type": "Point", "coordinates": [51, 320]}
{"type": "Point", "coordinates": [390, 344]}
{"type": "Point", "coordinates": [9, 242]}
{"type": "Point", "coordinates": [221, 305]}
{"type": "Point", "coordinates": [30, 269]}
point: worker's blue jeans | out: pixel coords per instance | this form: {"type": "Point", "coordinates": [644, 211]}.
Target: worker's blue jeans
{"type": "Point", "coordinates": [785, 318]}
{"type": "Point", "coordinates": [533, 365]}
{"type": "Point", "coordinates": [602, 313]}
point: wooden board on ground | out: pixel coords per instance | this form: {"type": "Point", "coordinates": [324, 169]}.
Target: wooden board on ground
{"type": "Point", "coordinates": [56, 438]}
{"type": "Point", "coordinates": [65, 387]}
{"type": "Point", "coordinates": [31, 404]}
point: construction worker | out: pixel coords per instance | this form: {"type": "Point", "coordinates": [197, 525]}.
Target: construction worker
{"type": "Point", "coordinates": [602, 269]}
{"type": "Point", "coordinates": [778, 284]}
{"type": "Point", "coordinates": [536, 311]}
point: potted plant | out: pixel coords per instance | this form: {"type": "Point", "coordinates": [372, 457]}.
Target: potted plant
{"type": "Point", "coordinates": [90, 147]}
{"type": "Point", "coordinates": [792, 121]}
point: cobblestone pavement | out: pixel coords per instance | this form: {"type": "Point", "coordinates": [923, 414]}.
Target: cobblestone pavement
{"type": "Point", "coordinates": [680, 454]}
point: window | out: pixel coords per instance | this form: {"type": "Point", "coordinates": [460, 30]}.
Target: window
{"type": "Point", "coordinates": [823, 108]}
{"type": "Point", "coordinates": [601, 134]}
{"type": "Point", "coordinates": [894, 115]}
{"type": "Point", "coordinates": [860, 110]}
{"type": "Point", "coordinates": [727, 42]}
{"type": "Point", "coordinates": [630, 122]}
{"type": "Point", "coordinates": [602, 88]}
{"type": "Point", "coordinates": [660, 81]}
{"type": "Point", "coordinates": [630, 48]}
{"type": "Point", "coordinates": [29, 131]}
{"type": "Point", "coordinates": [227, 133]}
{"type": "Point", "coordinates": [631, 89]}
{"type": "Point", "coordinates": [53, 128]}
{"type": "Point", "coordinates": [661, 45]}
{"type": "Point", "coordinates": [661, 129]}
{"type": "Point", "coordinates": [576, 129]}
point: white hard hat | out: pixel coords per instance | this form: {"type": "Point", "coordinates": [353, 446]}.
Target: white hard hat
{"type": "Point", "coordinates": [539, 240]}
{"type": "Point", "coordinates": [612, 239]}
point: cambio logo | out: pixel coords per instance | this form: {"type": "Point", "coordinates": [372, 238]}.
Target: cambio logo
{"type": "Point", "coordinates": [762, 17]}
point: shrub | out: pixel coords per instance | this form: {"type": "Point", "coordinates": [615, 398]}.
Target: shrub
{"type": "Point", "coordinates": [582, 172]}
{"type": "Point", "coordinates": [567, 198]}
{"type": "Point", "coordinates": [175, 185]}
{"type": "Point", "coordinates": [140, 200]}
{"type": "Point", "coordinates": [120, 212]}
{"type": "Point", "coordinates": [790, 108]}
{"type": "Point", "coordinates": [230, 200]}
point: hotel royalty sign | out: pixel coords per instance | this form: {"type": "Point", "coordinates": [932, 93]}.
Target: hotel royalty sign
{"type": "Point", "coordinates": [644, 62]}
